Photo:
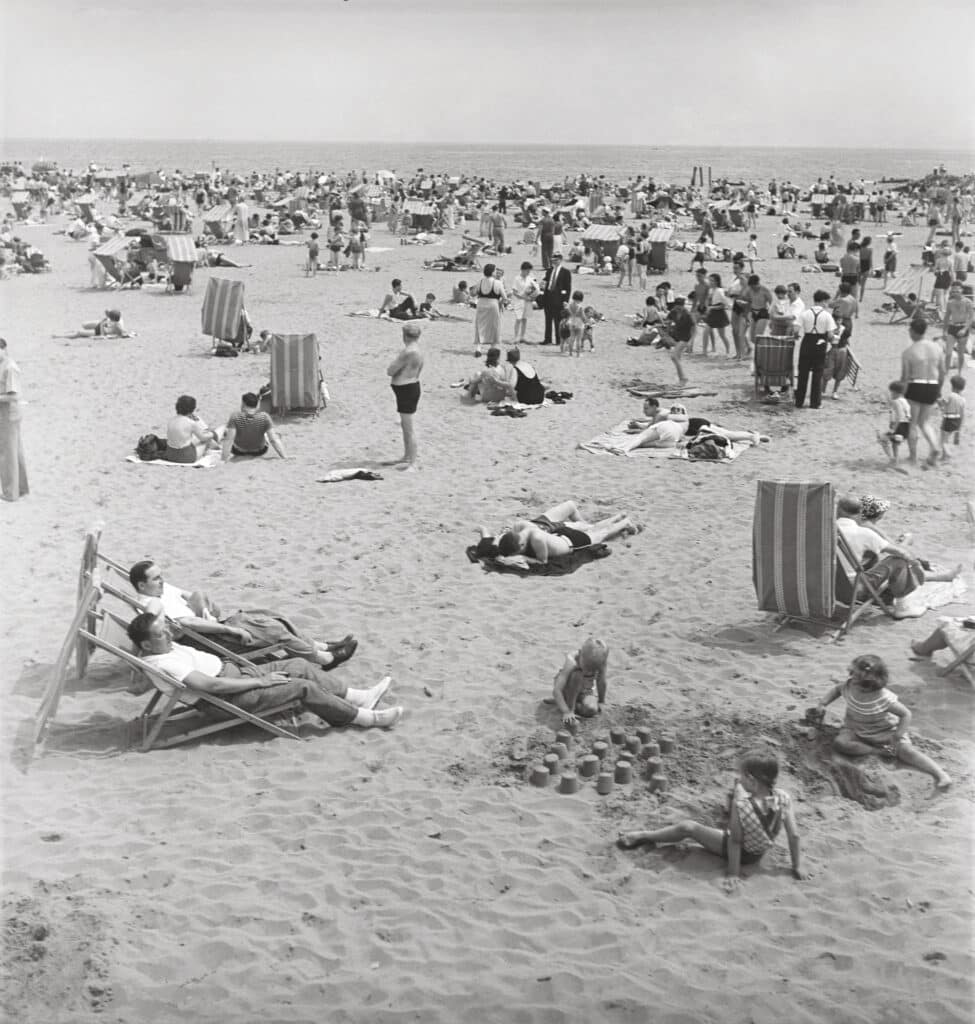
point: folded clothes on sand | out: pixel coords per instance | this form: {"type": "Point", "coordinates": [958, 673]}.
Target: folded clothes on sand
{"type": "Point", "coordinates": [557, 565]}
{"type": "Point", "coordinates": [338, 475]}
{"type": "Point", "coordinates": [207, 461]}
{"type": "Point", "coordinates": [618, 439]}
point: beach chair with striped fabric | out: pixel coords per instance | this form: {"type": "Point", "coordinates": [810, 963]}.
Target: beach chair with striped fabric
{"type": "Point", "coordinates": [774, 361]}
{"type": "Point", "coordinates": [222, 316]}
{"type": "Point", "coordinates": [181, 253]}
{"type": "Point", "coordinates": [21, 202]}
{"type": "Point", "coordinates": [796, 566]}
{"type": "Point", "coordinates": [113, 256]}
{"type": "Point", "coordinates": [297, 382]}
{"type": "Point", "coordinates": [217, 221]}
{"type": "Point", "coordinates": [905, 308]}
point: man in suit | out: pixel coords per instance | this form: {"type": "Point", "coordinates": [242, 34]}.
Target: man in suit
{"type": "Point", "coordinates": [556, 289]}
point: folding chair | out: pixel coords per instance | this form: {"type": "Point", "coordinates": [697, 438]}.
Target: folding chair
{"type": "Point", "coordinates": [108, 256]}
{"type": "Point", "coordinates": [181, 253]}
{"type": "Point", "coordinates": [83, 636]}
{"type": "Point", "coordinates": [21, 202]}
{"type": "Point", "coordinates": [961, 643]}
{"type": "Point", "coordinates": [906, 309]}
{"type": "Point", "coordinates": [215, 221]}
{"type": "Point", "coordinates": [774, 360]}
{"type": "Point", "coordinates": [797, 570]}
{"type": "Point", "coordinates": [297, 382]}
{"type": "Point", "coordinates": [222, 315]}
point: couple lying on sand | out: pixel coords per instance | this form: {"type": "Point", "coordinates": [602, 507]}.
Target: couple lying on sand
{"type": "Point", "coordinates": [659, 429]}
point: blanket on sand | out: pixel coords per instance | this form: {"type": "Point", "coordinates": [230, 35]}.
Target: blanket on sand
{"type": "Point", "coordinates": [207, 461]}
{"type": "Point", "coordinates": [616, 439]}
{"type": "Point", "coordinates": [559, 565]}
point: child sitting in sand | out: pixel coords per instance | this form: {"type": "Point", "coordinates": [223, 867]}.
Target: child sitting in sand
{"type": "Point", "coordinates": [580, 684]}
{"type": "Point", "coordinates": [757, 813]}
{"type": "Point", "coordinates": [899, 413]}
{"type": "Point", "coordinates": [461, 295]}
{"type": "Point", "coordinates": [875, 719]}
{"type": "Point", "coordinates": [428, 308]}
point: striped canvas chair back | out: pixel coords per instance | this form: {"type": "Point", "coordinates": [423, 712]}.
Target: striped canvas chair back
{"type": "Point", "coordinates": [794, 549]}
{"type": "Point", "coordinates": [222, 306]}
{"type": "Point", "coordinates": [295, 372]}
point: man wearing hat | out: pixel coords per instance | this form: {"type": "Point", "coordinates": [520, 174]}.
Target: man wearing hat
{"type": "Point", "coordinates": [556, 289]}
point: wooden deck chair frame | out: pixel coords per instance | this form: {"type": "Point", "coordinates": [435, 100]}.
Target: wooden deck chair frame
{"type": "Point", "coordinates": [778, 371]}
{"type": "Point", "coordinates": [81, 637]}
{"type": "Point", "coordinates": [962, 659]}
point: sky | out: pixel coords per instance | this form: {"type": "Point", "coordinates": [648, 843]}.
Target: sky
{"type": "Point", "coordinates": [857, 73]}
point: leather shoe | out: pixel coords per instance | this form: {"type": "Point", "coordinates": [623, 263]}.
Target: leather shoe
{"type": "Point", "coordinates": [340, 654]}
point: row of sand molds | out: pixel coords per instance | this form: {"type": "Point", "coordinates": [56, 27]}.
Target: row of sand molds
{"type": "Point", "coordinates": [595, 764]}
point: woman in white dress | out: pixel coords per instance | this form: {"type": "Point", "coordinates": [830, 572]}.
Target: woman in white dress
{"type": "Point", "coordinates": [525, 290]}
{"type": "Point", "coordinates": [489, 294]}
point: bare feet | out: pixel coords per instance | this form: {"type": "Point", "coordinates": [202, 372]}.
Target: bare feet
{"type": "Point", "coordinates": [918, 655]}
{"type": "Point", "coordinates": [631, 840]}
{"type": "Point", "coordinates": [942, 782]}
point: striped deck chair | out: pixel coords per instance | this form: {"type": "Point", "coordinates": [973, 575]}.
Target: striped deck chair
{"type": "Point", "coordinates": [909, 283]}
{"type": "Point", "coordinates": [222, 314]}
{"type": "Point", "coordinates": [216, 220]}
{"type": "Point", "coordinates": [112, 256]}
{"type": "Point", "coordinates": [181, 252]}
{"type": "Point", "coordinates": [21, 202]}
{"type": "Point", "coordinates": [796, 568]}
{"type": "Point", "coordinates": [774, 361]}
{"type": "Point", "coordinates": [297, 382]}
{"type": "Point", "coordinates": [86, 208]}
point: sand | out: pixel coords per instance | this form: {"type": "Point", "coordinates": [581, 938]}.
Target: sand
{"type": "Point", "coordinates": [414, 874]}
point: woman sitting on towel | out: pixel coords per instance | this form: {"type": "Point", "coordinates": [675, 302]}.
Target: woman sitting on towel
{"type": "Point", "coordinates": [558, 531]}
{"type": "Point", "coordinates": [528, 389]}
{"type": "Point", "coordinates": [491, 383]}
{"type": "Point", "coordinates": [187, 436]}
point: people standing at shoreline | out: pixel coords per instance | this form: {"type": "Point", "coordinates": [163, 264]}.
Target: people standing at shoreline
{"type": "Point", "coordinates": [404, 373]}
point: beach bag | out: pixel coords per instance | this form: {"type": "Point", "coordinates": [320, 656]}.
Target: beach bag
{"type": "Point", "coordinates": [708, 447]}
{"type": "Point", "coordinates": [150, 447]}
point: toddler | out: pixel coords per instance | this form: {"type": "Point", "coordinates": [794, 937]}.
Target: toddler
{"type": "Point", "coordinates": [899, 411]}
{"type": "Point", "coordinates": [311, 265]}
{"type": "Point", "coordinates": [875, 719]}
{"type": "Point", "coordinates": [580, 684]}
{"type": "Point", "coordinates": [758, 811]}
{"type": "Point", "coordinates": [752, 252]}
{"type": "Point", "coordinates": [461, 295]}
{"type": "Point", "coordinates": [428, 309]}
{"type": "Point", "coordinates": [576, 322]}
{"type": "Point", "coordinates": [952, 414]}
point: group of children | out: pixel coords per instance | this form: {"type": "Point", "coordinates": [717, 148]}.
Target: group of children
{"type": "Point", "coordinates": [952, 408]}
{"type": "Point", "coordinates": [875, 721]}
{"type": "Point", "coordinates": [354, 248]}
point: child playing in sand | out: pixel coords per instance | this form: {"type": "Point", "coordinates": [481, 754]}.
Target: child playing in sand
{"type": "Point", "coordinates": [952, 414]}
{"type": "Point", "coordinates": [757, 813]}
{"type": "Point", "coordinates": [580, 684]}
{"type": "Point", "coordinates": [461, 295]}
{"type": "Point", "coordinates": [428, 308]}
{"type": "Point", "coordinates": [899, 411]}
{"type": "Point", "coordinates": [311, 264]}
{"type": "Point", "coordinates": [875, 719]}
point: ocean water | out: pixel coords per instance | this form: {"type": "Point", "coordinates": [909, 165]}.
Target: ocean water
{"type": "Point", "coordinates": [670, 164]}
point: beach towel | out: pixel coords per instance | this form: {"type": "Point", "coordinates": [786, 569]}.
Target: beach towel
{"type": "Point", "coordinates": [335, 476]}
{"type": "Point", "coordinates": [559, 565]}
{"type": "Point", "coordinates": [648, 389]}
{"type": "Point", "coordinates": [929, 596]}
{"type": "Point", "coordinates": [614, 441]}
{"type": "Point", "coordinates": [207, 461]}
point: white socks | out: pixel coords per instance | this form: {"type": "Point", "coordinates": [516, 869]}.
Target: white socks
{"type": "Point", "coordinates": [385, 719]}
{"type": "Point", "coordinates": [368, 699]}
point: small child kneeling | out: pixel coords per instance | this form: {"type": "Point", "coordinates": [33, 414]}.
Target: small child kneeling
{"type": "Point", "coordinates": [757, 812]}
{"type": "Point", "coordinates": [579, 689]}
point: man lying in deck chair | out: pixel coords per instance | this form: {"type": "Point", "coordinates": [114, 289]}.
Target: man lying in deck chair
{"type": "Point", "coordinates": [241, 631]}
{"type": "Point", "coordinates": [258, 688]}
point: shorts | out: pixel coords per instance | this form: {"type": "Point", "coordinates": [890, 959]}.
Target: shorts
{"type": "Point", "coordinates": [407, 397]}
{"type": "Point", "coordinates": [237, 451]}
{"type": "Point", "coordinates": [923, 394]}
{"type": "Point", "coordinates": [942, 280]}
{"type": "Point", "coordinates": [717, 317]}
{"type": "Point", "coordinates": [850, 279]}
{"type": "Point", "coordinates": [957, 330]}
{"type": "Point", "coordinates": [759, 314]}
{"type": "Point", "coordinates": [899, 433]}
{"type": "Point", "coordinates": [951, 424]}
{"type": "Point", "coordinates": [933, 222]}
{"type": "Point", "coordinates": [746, 857]}
{"type": "Point", "coordinates": [576, 538]}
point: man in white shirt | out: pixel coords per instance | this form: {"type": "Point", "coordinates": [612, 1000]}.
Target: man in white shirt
{"type": "Point", "coordinates": [240, 631]}
{"type": "Point", "coordinates": [817, 328]}
{"type": "Point", "coordinates": [796, 305]}
{"type": "Point", "coordinates": [257, 688]}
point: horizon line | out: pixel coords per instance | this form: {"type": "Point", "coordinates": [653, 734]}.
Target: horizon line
{"type": "Point", "coordinates": [474, 145]}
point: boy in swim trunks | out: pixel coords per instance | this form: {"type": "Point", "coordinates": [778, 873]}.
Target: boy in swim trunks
{"type": "Point", "coordinates": [952, 414]}
{"type": "Point", "coordinates": [899, 423]}
{"type": "Point", "coordinates": [959, 314]}
{"type": "Point", "coordinates": [404, 373]}
{"type": "Point", "coordinates": [579, 688]}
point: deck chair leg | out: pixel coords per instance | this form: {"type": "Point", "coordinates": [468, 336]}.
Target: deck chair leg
{"type": "Point", "coordinates": [171, 701]}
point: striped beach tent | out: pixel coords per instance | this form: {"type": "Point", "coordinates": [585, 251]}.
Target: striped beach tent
{"type": "Point", "coordinates": [603, 239]}
{"type": "Point", "coordinates": [217, 220]}
{"type": "Point", "coordinates": [297, 383]}
{"type": "Point", "coordinates": [109, 254]}
{"type": "Point", "coordinates": [223, 307]}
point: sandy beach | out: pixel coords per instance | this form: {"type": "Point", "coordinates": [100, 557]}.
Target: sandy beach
{"type": "Point", "coordinates": [413, 875]}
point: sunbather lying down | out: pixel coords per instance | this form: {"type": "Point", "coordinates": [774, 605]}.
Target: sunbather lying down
{"type": "Point", "coordinates": [558, 531]}
{"type": "Point", "coordinates": [659, 429]}
{"type": "Point", "coordinates": [111, 326]}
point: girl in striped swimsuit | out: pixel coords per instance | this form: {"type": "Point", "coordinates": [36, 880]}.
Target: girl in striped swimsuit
{"type": "Point", "coordinates": [876, 719]}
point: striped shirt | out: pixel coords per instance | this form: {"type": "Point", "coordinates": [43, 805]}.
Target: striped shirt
{"type": "Point", "coordinates": [868, 711]}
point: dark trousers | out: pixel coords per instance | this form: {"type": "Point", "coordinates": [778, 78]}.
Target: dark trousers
{"type": "Point", "coordinates": [812, 360]}
{"type": "Point", "coordinates": [552, 324]}
{"type": "Point", "coordinates": [548, 247]}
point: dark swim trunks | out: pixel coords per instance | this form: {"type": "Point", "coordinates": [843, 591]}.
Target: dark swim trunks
{"type": "Point", "coordinates": [923, 392]}
{"type": "Point", "coordinates": [407, 397]}
{"type": "Point", "coordinates": [576, 538]}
